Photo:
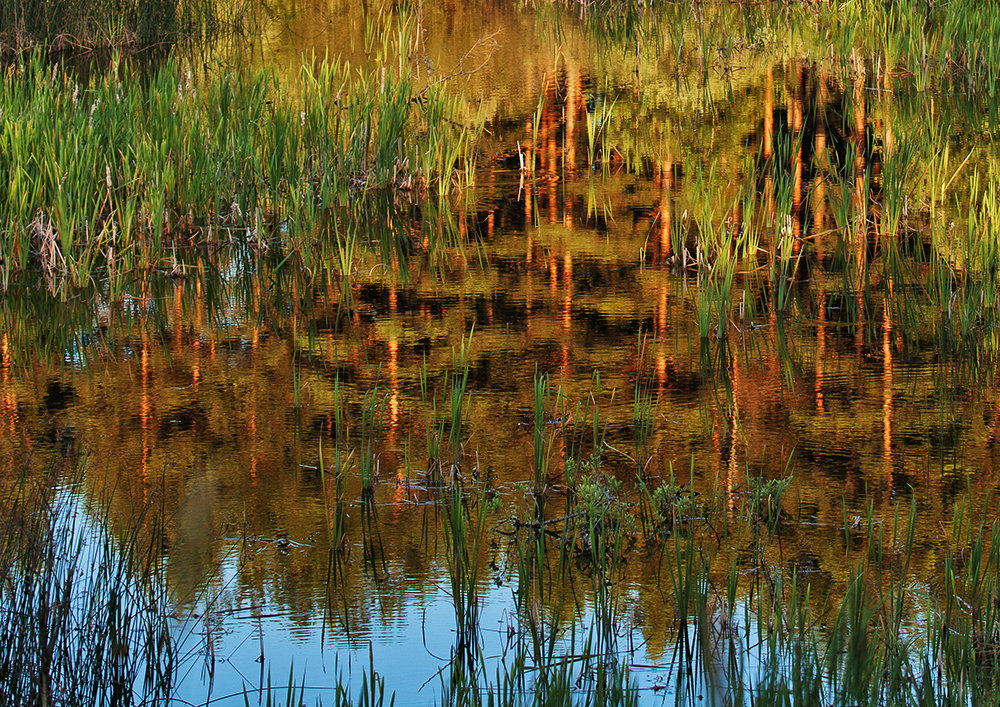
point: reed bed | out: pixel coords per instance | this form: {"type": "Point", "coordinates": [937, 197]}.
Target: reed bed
{"type": "Point", "coordinates": [745, 623]}
{"type": "Point", "coordinates": [110, 176]}
{"type": "Point", "coordinates": [748, 631]}
{"type": "Point", "coordinates": [72, 26]}
{"type": "Point", "coordinates": [952, 43]}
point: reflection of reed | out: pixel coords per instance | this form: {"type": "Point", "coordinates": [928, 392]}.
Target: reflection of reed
{"type": "Point", "coordinates": [145, 412]}
{"type": "Point", "coordinates": [574, 101]}
{"type": "Point", "coordinates": [820, 352]}
{"type": "Point", "coordinates": [859, 207]}
{"type": "Point", "coordinates": [821, 166]}
{"type": "Point", "coordinates": [797, 128]}
{"type": "Point", "coordinates": [8, 407]}
{"type": "Point", "coordinates": [887, 395]}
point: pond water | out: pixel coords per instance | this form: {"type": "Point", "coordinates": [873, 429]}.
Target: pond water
{"type": "Point", "coordinates": [860, 360]}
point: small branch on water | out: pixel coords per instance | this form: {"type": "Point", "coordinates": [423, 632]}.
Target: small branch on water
{"type": "Point", "coordinates": [461, 70]}
{"type": "Point", "coordinates": [537, 525]}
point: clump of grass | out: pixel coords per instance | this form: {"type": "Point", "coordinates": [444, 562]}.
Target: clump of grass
{"type": "Point", "coordinates": [764, 501]}
{"type": "Point", "coordinates": [603, 518]}
{"type": "Point", "coordinates": [673, 506]}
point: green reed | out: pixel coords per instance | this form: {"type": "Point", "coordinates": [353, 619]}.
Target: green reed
{"type": "Point", "coordinates": [118, 168]}
{"type": "Point", "coordinates": [85, 613]}
{"type": "Point", "coordinates": [445, 435]}
{"type": "Point", "coordinates": [70, 25]}
{"type": "Point", "coordinates": [597, 125]}
{"type": "Point", "coordinates": [433, 427]}
{"type": "Point", "coordinates": [372, 420]}
{"type": "Point", "coordinates": [542, 441]}
{"type": "Point", "coordinates": [464, 525]}
{"type": "Point", "coordinates": [644, 408]}
{"type": "Point", "coordinates": [458, 399]}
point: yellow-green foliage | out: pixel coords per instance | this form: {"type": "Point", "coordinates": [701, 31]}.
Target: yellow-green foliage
{"type": "Point", "coordinates": [106, 171]}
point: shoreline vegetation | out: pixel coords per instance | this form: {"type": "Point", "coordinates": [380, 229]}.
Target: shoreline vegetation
{"type": "Point", "coordinates": [62, 27]}
{"type": "Point", "coordinates": [955, 40]}
{"type": "Point", "coordinates": [113, 174]}
{"type": "Point", "coordinates": [110, 177]}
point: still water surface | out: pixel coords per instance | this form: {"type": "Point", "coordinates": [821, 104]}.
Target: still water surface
{"type": "Point", "coordinates": [214, 392]}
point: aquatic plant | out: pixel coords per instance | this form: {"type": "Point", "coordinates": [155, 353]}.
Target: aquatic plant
{"type": "Point", "coordinates": [70, 25]}
{"type": "Point", "coordinates": [673, 505]}
{"type": "Point", "coordinates": [372, 420]}
{"type": "Point", "coordinates": [118, 170]}
{"type": "Point", "coordinates": [85, 617]}
{"type": "Point", "coordinates": [464, 525]}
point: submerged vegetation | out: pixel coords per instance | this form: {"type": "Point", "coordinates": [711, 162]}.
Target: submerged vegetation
{"type": "Point", "coordinates": [503, 357]}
